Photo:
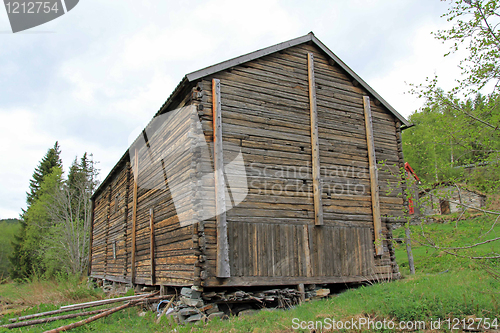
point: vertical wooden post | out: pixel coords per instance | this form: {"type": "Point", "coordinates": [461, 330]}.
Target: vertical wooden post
{"type": "Point", "coordinates": [152, 245]}
{"type": "Point", "coordinates": [163, 290]}
{"type": "Point", "coordinates": [302, 290]}
{"type": "Point", "coordinates": [223, 269]}
{"type": "Point", "coordinates": [125, 218]}
{"type": "Point", "coordinates": [134, 213]}
{"type": "Point", "coordinates": [377, 223]}
{"type": "Point", "coordinates": [108, 216]}
{"type": "Point", "coordinates": [404, 183]}
{"type": "Point", "coordinates": [91, 240]}
{"type": "Point", "coordinates": [307, 251]}
{"type": "Point", "coordinates": [316, 171]}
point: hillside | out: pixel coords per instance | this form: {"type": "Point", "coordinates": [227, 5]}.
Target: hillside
{"type": "Point", "coordinates": [445, 288]}
{"type": "Point", "coordinates": [8, 228]}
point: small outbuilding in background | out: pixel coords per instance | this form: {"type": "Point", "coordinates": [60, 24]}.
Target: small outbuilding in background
{"type": "Point", "coordinates": [447, 198]}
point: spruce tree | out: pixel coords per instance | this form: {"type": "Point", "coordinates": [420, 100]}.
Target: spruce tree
{"type": "Point", "coordinates": [21, 258]}
{"type": "Point", "coordinates": [50, 160]}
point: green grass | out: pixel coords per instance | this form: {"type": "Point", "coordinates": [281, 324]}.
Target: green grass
{"type": "Point", "coordinates": [449, 234]}
{"type": "Point", "coordinates": [444, 287]}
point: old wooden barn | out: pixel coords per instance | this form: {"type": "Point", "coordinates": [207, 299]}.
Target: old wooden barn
{"type": "Point", "coordinates": [299, 186]}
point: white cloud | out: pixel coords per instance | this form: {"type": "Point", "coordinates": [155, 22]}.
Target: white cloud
{"type": "Point", "coordinates": [20, 150]}
{"type": "Point", "coordinates": [109, 67]}
{"type": "Point", "coordinates": [426, 60]}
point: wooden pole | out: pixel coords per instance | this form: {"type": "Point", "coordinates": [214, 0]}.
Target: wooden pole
{"type": "Point", "coordinates": [302, 290]}
{"type": "Point", "coordinates": [404, 182]}
{"type": "Point", "coordinates": [91, 319]}
{"type": "Point", "coordinates": [316, 171]}
{"type": "Point", "coordinates": [51, 319]}
{"type": "Point", "coordinates": [307, 251]}
{"type": "Point", "coordinates": [377, 223]}
{"type": "Point", "coordinates": [104, 301]}
{"type": "Point", "coordinates": [92, 215]}
{"type": "Point", "coordinates": [108, 217]}
{"type": "Point", "coordinates": [165, 309]}
{"type": "Point", "coordinates": [125, 221]}
{"type": "Point", "coordinates": [134, 214]}
{"type": "Point", "coordinates": [222, 269]}
{"type": "Point", "coordinates": [81, 306]}
{"type": "Point", "coordinates": [152, 245]}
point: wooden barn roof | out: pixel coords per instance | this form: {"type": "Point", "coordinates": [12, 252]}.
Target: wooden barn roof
{"type": "Point", "coordinates": [207, 71]}
{"type": "Point", "coordinates": [199, 74]}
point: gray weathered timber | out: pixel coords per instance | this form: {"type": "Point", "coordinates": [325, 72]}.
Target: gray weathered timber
{"type": "Point", "coordinates": [374, 186]}
{"type": "Point", "coordinates": [313, 108]}
{"type": "Point", "coordinates": [134, 217]}
{"type": "Point", "coordinates": [152, 245]}
{"type": "Point", "coordinates": [262, 110]}
{"type": "Point", "coordinates": [223, 269]}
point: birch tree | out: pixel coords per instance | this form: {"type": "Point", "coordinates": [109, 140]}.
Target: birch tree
{"type": "Point", "coordinates": [67, 243]}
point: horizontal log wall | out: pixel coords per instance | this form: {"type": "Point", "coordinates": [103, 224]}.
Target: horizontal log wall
{"type": "Point", "coordinates": [100, 223]}
{"type": "Point", "coordinates": [174, 252]}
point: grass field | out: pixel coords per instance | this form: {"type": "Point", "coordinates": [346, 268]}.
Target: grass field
{"type": "Point", "coordinates": [444, 287]}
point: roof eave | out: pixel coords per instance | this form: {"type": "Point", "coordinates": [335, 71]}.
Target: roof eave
{"type": "Point", "coordinates": [247, 57]}
{"type": "Point", "coordinates": [282, 46]}
{"type": "Point", "coordinates": [359, 80]}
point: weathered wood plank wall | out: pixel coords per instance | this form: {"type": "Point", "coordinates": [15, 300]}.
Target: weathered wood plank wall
{"type": "Point", "coordinates": [265, 112]}
{"type": "Point", "coordinates": [173, 260]}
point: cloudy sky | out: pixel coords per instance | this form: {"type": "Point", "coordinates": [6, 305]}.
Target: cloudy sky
{"type": "Point", "coordinates": [92, 76]}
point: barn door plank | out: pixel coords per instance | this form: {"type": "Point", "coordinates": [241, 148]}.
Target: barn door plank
{"type": "Point", "coordinates": [307, 251]}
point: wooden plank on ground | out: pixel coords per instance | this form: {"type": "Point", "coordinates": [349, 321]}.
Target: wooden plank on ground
{"type": "Point", "coordinates": [318, 205]}
{"type": "Point", "coordinates": [222, 269]}
{"type": "Point", "coordinates": [377, 223]}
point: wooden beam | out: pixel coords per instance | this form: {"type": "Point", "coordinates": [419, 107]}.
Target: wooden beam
{"type": "Point", "coordinates": [125, 218]}
{"type": "Point", "coordinates": [249, 281]}
{"type": "Point", "coordinates": [134, 214]}
{"type": "Point", "coordinates": [223, 269]}
{"type": "Point", "coordinates": [302, 290]}
{"type": "Point", "coordinates": [377, 223]}
{"type": "Point", "coordinates": [318, 204]}
{"type": "Point", "coordinates": [152, 245]}
{"type": "Point", "coordinates": [307, 251]}
{"type": "Point", "coordinates": [108, 217]}
{"type": "Point", "coordinates": [91, 240]}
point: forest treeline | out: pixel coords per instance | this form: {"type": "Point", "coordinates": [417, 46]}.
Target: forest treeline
{"type": "Point", "coordinates": [52, 234]}
{"type": "Point", "coordinates": [460, 144]}
{"type": "Point", "coordinates": [8, 229]}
